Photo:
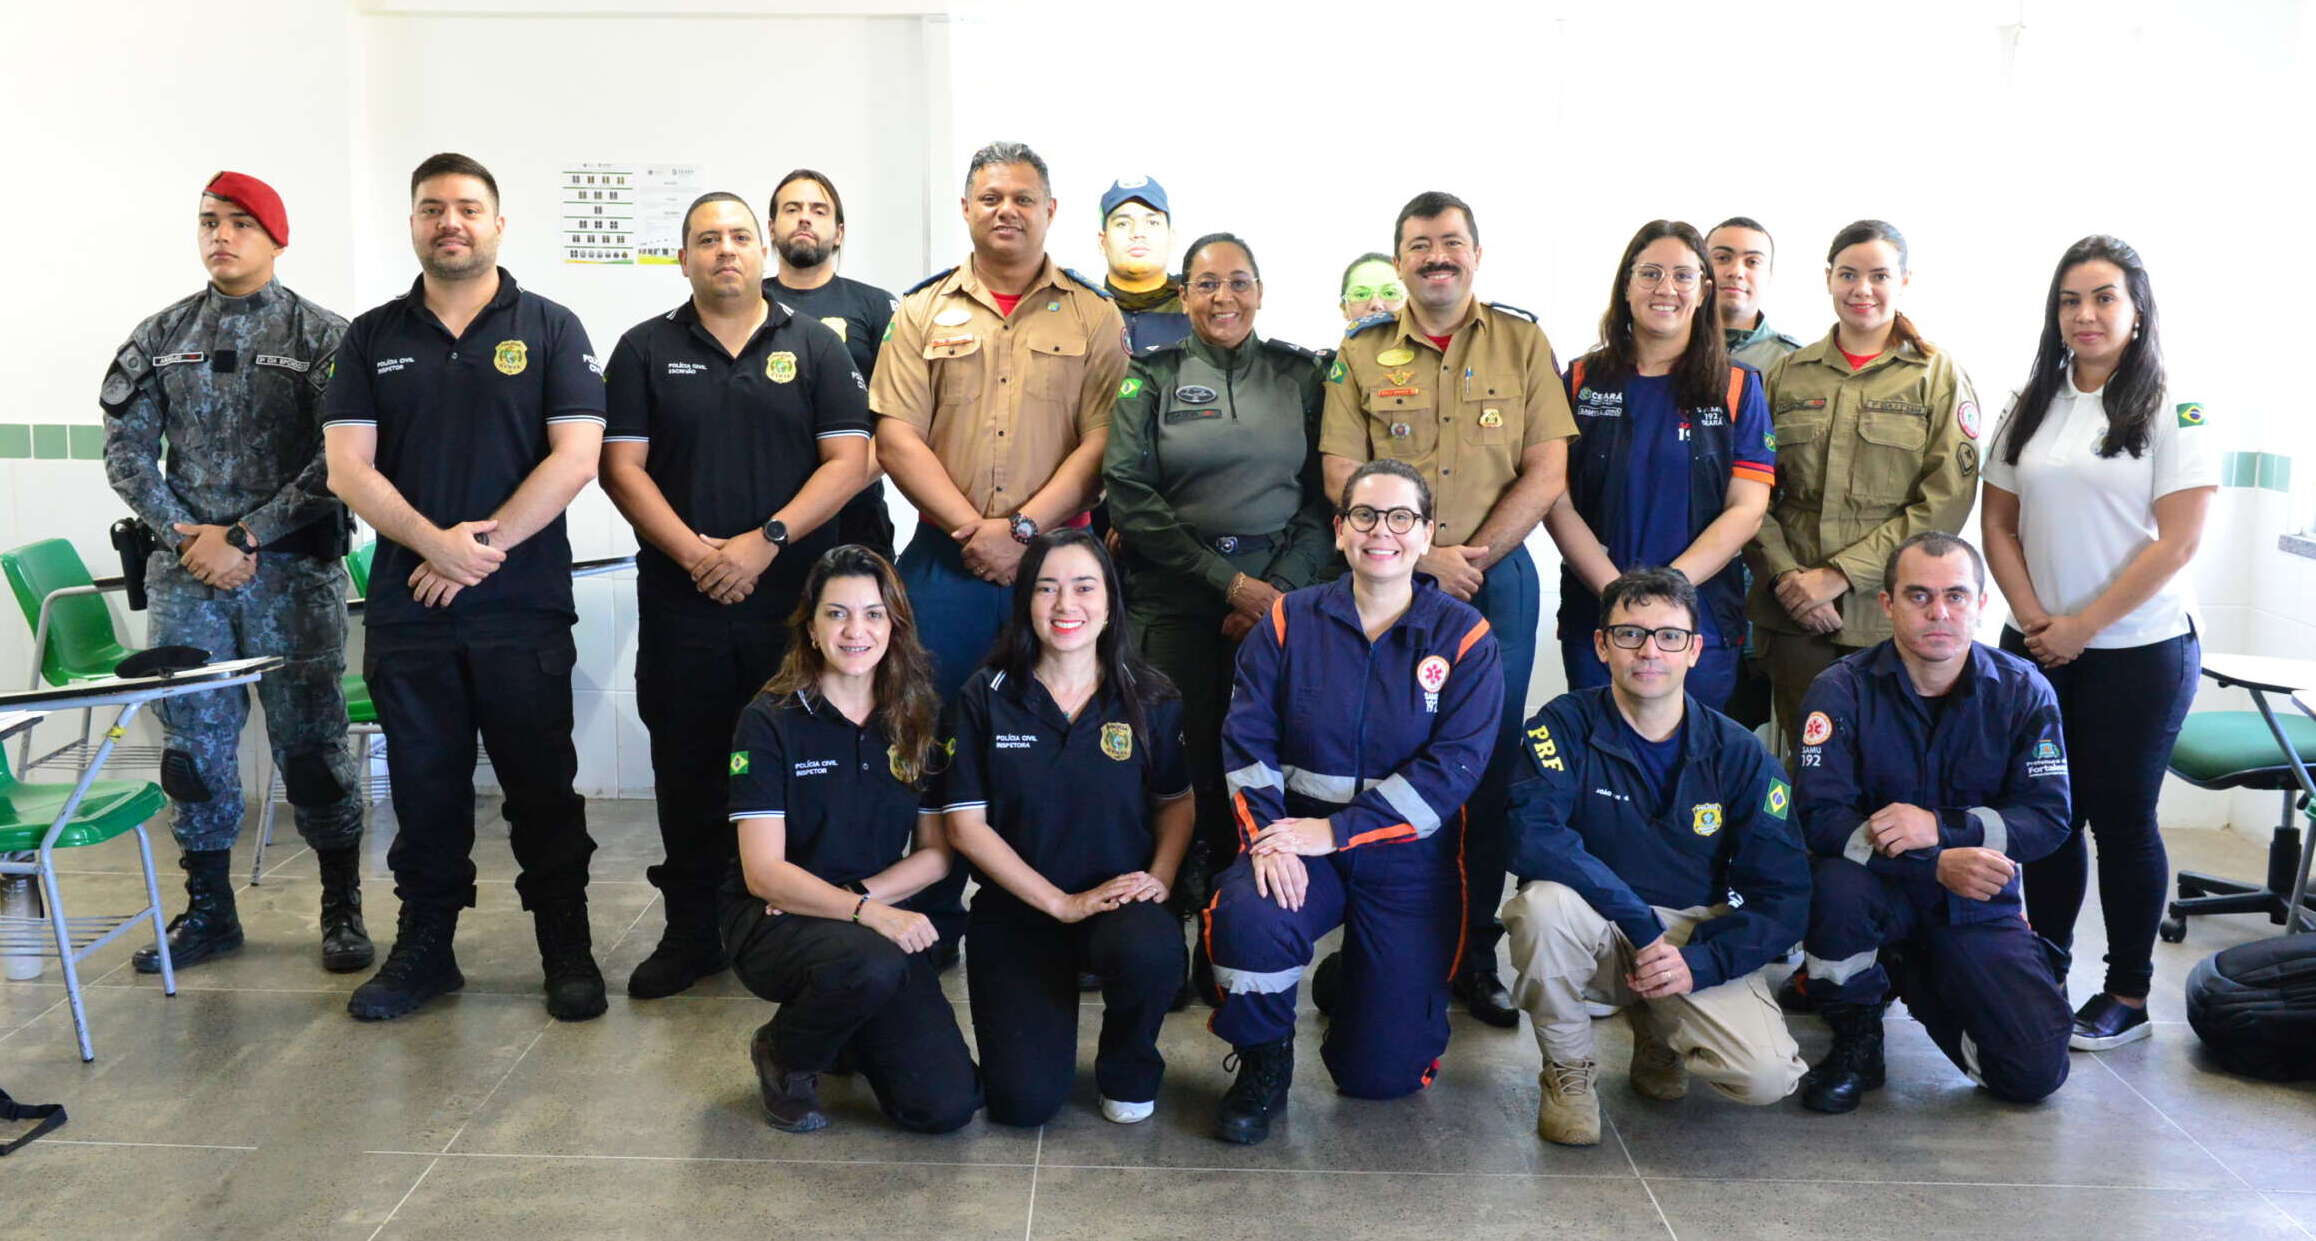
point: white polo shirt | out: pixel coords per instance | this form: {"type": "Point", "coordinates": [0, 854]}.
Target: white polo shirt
{"type": "Point", "coordinates": [2082, 517]}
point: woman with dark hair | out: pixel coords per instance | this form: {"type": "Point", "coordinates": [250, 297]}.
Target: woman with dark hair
{"type": "Point", "coordinates": [1067, 792]}
{"type": "Point", "coordinates": [1363, 716]}
{"type": "Point", "coordinates": [1877, 440]}
{"type": "Point", "coordinates": [1675, 462]}
{"type": "Point", "coordinates": [1215, 495]}
{"type": "Point", "coordinates": [2096, 492]}
{"type": "Point", "coordinates": [826, 771]}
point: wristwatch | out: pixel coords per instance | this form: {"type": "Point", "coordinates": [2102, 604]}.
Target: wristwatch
{"type": "Point", "coordinates": [237, 538]}
{"type": "Point", "coordinates": [776, 532]}
{"type": "Point", "coordinates": [1024, 527]}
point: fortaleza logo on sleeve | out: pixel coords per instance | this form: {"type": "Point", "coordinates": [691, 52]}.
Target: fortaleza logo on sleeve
{"type": "Point", "coordinates": [2047, 760]}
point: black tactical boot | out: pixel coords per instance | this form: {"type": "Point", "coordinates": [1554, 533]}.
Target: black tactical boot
{"type": "Point", "coordinates": [345, 941]}
{"type": "Point", "coordinates": [209, 927]}
{"type": "Point", "coordinates": [420, 967]}
{"type": "Point", "coordinates": [1327, 983]}
{"type": "Point", "coordinates": [1260, 1093]}
{"type": "Point", "coordinates": [567, 957]}
{"type": "Point", "coordinates": [1484, 995]}
{"type": "Point", "coordinates": [1853, 1067]}
{"type": "Point", "coordinates": [791, 1096]}
{"type": "Point", "coordinates": [688, 951]}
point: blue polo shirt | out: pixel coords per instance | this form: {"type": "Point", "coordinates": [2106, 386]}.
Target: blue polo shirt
{"type": "Point", "coordinates": [462, 421]}
{"type": "Point", "coordinates": [846, 814]}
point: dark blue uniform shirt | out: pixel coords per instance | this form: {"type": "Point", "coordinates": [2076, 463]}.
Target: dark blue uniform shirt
{"type": "Point", "coordinates": [847, 813]}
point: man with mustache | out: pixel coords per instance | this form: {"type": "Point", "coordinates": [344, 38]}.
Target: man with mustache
{"type": "Point", "coordinates": [1467, 392]}
{"type": "Point", "coordinates": [248, 564]}
{"type": "Point", "coordinates": [737, 430]}
{"type": "Point", "coordinates": [466, 414]}
{"type": "Point", "coordinates": [1931, 768]}
{"type": "Point", "coordinates": [806, 226]}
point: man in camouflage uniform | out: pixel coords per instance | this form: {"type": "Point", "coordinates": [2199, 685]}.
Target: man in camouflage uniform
{"type": "Point", "coordinates": [249, 560]}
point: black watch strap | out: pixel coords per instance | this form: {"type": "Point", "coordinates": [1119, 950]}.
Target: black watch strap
{"type": "Point", "coordinates": [776, 532]}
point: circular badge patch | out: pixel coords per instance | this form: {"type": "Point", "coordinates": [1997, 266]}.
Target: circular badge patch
{"type": "Point", "coordinates": [1967, 414]}
{"type": "Point", "coordinates": [1817, 729]}
{"type": "Point", "coordinates": [1431, 673]}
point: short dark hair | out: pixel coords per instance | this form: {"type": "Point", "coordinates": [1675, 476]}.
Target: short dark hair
{"type": "Point", "coordinates": [1649, 584]}
{"type": "Point", "coordinates": [1429, 204]}
{"type": "Point", "coordinates": [1190, 255]}
{"type": "Point", "coordinates": [1006, 153]}
{"type": "Point", "coordinates": [1354, 265]}
{"type": "Point", "coordinates": [1937, 544]}
{"type": "Point", "coordinates": [1745, 221]}
{"type": "Point", "coordinates": [452, 164]}
{"type": "Point", "coordinates": [716, 196]}
{"type": "Point", "coordinates": [1393, 468]}
{"type": "Point", "coordinates": [828, 187]}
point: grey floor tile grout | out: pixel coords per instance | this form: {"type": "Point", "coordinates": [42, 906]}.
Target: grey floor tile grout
{"type": "Point", "coordinates": [173, 1146]}
{"type": "Point", "coordinates": [1267, 1171]}
{"type": "Point", "coordinates": [1634, 1164]}
{"type": "Point", "coordinates": [1036, 1158]}
{"type": "Point", "coordinates": [739, 1159]}
{"type": "Point", "coordinates": [2182, 1129]}
{"type": "Point", "coordinates": [374, 1233]}
{"type": "Point", "coordinates": [493, 1092]}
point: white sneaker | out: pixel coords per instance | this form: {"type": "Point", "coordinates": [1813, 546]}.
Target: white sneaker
{"type": "Point", "coordinates": [1127, 1113]}
{"type": "Point", "coordinates": [1597, 1006]}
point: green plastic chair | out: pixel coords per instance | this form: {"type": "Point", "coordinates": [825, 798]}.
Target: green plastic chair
{"type": "Point", "coordinates": [73, 639]}
{"type": "Point", "coordinates": [358, 567]}
{"type": "Point", "coordinates": [2238, 749]}
{"type": "Point", "coordinates": [38, 819]}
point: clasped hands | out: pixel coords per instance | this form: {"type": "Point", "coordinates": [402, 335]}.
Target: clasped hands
{"type": "Point", "coordinates": [1808, 595]}
{"type": "Point", "coordinates": [1278, 852]}
{"type": "Point", "coordinates": [211, 560]}
{"type": "Point", "coordinates": [1970, 872]}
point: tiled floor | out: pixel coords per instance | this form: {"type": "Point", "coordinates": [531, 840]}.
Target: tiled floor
{"type": "Point", "coordinates": [250, 1107]}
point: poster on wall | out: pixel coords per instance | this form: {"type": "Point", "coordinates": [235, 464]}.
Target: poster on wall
{"type": "Point", "coordinates": [625, 214]}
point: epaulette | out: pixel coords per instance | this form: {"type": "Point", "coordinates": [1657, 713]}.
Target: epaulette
{"type": "Point", "coordinates": [1289, 348]}
{"type": "Point", "coordinates": [1095, 285]}
{"type": "Point", "coordinates": [1512, 310]}
{"type": "Point", "coordinates": [930, 281]}
{"type": "Point", "coordinates": [1375, 320]}
{"type": "Point", "coordinates": [1148, 351]}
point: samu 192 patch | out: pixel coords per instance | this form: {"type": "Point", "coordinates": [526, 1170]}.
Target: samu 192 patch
{"type": "Point", "coordinates": [1705, 819]}
{"type": "Point", "coordinates": [739, 762]}
{"type": "Point", "coordinates": [1778, 799]}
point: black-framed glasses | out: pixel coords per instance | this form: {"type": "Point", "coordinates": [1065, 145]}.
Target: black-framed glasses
{"type": "Point", "coordinates": [1210, 286]}
{"type": "Point", "coordinates": [1671, 639]}
{"type": "Point", "coordinates": [1398, 520]}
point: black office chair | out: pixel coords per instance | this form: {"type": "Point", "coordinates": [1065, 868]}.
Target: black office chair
{"type": "Point", "coordinates": [2240, 749]}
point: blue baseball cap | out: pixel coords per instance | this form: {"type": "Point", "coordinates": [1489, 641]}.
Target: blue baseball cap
{"type": "Point", "coordinates": [1129, 189]}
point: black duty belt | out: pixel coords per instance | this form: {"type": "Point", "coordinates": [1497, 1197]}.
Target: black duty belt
{"type": "Point", "coordinates": [1233, 544]}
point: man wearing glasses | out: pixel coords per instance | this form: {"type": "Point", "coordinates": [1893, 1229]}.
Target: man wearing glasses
{"type": "Point", "coordinates": [1468, 393]}
{"type": "Point", "coordinates": [1659, 871]}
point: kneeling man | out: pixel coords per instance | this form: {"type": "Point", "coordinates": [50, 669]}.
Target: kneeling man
{"type": "Point", "coordinates": [1931, 769]}
{"type": "Point", "coordinates": [1658, 870]}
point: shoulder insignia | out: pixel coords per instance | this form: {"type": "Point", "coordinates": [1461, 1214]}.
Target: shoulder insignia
{"type": "Point", "coordinates": [1545, 749]}
{"type": "Point", "coordinates": [1512, 310]}
{"type": "Point", "coordinates": [1151, 351]}
{"type": "Point", "coordinates": [929, 281]}
{"type": "Point", "coordinates": [1290, 348]}
{"type": "Point", "coordinates": [1368, 322]}
{"type": "Point", "coordinates": [1095, 285]}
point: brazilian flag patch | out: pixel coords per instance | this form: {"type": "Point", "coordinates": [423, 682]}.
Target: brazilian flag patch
{"type": "Point", "coordinates": [739, 762]}
{"type": "Point", "coordinates": [2191, 414]}
{"type": "Point", "coordinates": [1131, 387]}
{"type": "Point", "coordinates": [1780, 797]}
{"type": "Point", "coordinates": [1769, 440]}
{"type": "Point", "coordinates": [1336, 372]}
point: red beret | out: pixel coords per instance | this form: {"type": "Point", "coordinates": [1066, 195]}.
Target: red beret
{"type": "Point", "coordinates": [255, 197]}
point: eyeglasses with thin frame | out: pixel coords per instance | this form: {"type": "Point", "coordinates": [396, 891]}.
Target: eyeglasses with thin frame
{"type": "Point", "coordinates": [1368, 293]}
{"type": "Point", "coordinates": [1210, 286]}
{"type": "Point", "coordinates": [1671, 639]}
{"type": "Point", "coordinates": [1398, 520]}
{"type": "Point", "coordinates": [1650, 275]}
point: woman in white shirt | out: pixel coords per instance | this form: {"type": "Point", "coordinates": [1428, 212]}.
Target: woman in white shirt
{"type": "Point", "coordinates": [2096, 488]}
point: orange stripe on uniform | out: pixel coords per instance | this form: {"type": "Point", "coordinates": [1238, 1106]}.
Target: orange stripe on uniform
{"type": "Point", "coordinates": [1478, 631]}
{"type": "Point", "coordinates": [1397, 831]}
{"type": "Point", "coordinates": [1206, 944]}
{"type": "Point", "coordinates": [1463, 894]}
{"type": "Point", "coordinates": [1749, 472]}
{"type": "Point", "coordinates": [1245, 817]}
{"type": "Point", "coordinates": [1279, 620]}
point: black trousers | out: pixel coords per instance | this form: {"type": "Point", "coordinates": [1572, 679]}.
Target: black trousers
{"type": "Point", "coordinates": [507, 676]}
{"type": "Point", "coordinates": [843, 987]}
{"type": "Point", "coordinates": [694, 673]}
{"type": "Point", "coordinates": [1023, 982]}
{"type": "Point", "coordinates": [2121, 710]}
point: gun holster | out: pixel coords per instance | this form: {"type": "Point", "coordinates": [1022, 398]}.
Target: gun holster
{"type": "Point", "coordinates": [134, 540]}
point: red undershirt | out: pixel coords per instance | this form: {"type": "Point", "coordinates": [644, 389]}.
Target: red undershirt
{"type": "Point", "coordinates": [1006, 302]}
{"type": "Point", "coordinates": [1439, 342]}
{"type": "Point", "coordinates": [1858, 361]}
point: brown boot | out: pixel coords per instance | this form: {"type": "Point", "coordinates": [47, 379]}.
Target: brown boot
{"type": "Point", "coordinates": [1570, 1112]}
{"type": "Point", "coordinates": [1657, 1071]}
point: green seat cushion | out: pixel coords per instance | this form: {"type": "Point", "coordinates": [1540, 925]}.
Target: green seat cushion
{"type": "Point", "coordinates": [111, 807]}
{"type": "Point", "coordinates": [2223, 748]}
{"type": "Point", "coordinates": [359, 708]}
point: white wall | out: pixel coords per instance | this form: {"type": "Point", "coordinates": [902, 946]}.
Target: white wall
{"type": "Point", "coordinates": [1992, 131]}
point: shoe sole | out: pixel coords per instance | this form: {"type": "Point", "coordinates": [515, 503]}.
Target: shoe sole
{"type": "Point", "coordinates": [1240, 1137]}
{"type": "Point", "coordinates": [812, 1122]}
{"type": "Point", "coordinates": [349, 964]}
{"type": "Point", "coordinates": [389, 1013]}
{"type": "Point", "coordinates": [2086, 1042]}
{"type": "Point", "coordinates": [144, 964]}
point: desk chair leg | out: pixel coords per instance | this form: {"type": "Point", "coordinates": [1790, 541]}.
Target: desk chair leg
{"type": "Point", "coordinates": [2285, 888]}
{"type": "Point", "coordinates": [61, 928]}
{"type": "Point", "coordinates": [153, 898]}
{"type": "Point", "coordinates": [264, 821]}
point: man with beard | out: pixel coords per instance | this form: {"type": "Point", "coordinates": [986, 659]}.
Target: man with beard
{"type": "Point", "coordinates": [1469, 394]}
{"type": "Point", "coordinates": [1137, 235]}
{"type": "Point", "coordinates": [807, 232]}
{"type": "Point", "coordinates": [465, 416]}
{"type": "Point", "coordinates": [737, 430]}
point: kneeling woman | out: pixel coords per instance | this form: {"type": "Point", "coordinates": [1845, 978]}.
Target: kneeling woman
{"type": "Point", "coordinates": [826, 767]}
{"type": "Point", "coordinates": [1069, 794]}
{"type": "Point", "coordinates": [1364, 712]}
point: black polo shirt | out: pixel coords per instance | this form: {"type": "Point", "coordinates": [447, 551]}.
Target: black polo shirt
{"type": "Point", "coordinates": [1071, 797]}
{"type": "Point", "coordinates": [847, 815]}
{"type": "Point", "coordinates": [461, 422]}
{"type": "Point", "coordinates": [856, 312]}
{"type": "Point", "coordinates": [732, 438]}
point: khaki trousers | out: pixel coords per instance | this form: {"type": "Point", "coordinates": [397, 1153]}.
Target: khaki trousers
{"type": "Point", "coordinates": [1793, 660]}
{"type": "Point", "coordinates": [1731, 1036]}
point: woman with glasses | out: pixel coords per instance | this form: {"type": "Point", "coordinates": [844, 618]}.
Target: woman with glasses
{"type": "Point", "coordinates": [1371, 286]}
{"type": "Point", "coordinates": [1067, 792]}
{"type": "Point", "coordinates": [1877, 440]}
{"type": "Point", "coordinates": [2096, 488]}
{"type": "Point", "coordinates": [828, 764]}
{"type": "Point", "coordinates": [1674, 463]}
{"type": "Point", "coordinates": [1213, 479]}
{"type": "Point", "coordinates": [1362, 718]}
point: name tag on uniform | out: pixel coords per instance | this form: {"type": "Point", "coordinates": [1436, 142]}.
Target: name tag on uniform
{"type": "Point", "coordinates": [949, 342]}
{"type": "Point", "coordinates": [953, 316]}
{"type": "Point", "coordinates": [287, 364]}
{"type": "Point", "coordinates": [180, 359]}
{"type": "Point", "coordinates": [1173, 416]}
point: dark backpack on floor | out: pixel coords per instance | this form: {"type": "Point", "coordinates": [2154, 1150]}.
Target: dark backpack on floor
{"type": "Point", "coordinates": [2254, 1007]}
